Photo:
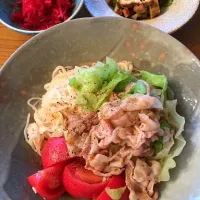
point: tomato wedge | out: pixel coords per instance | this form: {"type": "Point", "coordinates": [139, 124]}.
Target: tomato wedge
{"type": "Point", "coordinates": [87, 176]}
{"type": "Point", "coordinates": [54, 151]}
{"type": "Point", "coordinates": [114, 183]}
{"type": "Point", "coordinates": [48, 182]}
{"type": "Point", "coordinates": [79, 185]}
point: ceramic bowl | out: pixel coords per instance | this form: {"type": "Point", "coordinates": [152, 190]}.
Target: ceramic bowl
{"type": "Point", "coordinates": [6, 11]}
{"type": "Point", "coordinates": [171, 19]}
{"type": "Point", "coordinates": [84, 41]}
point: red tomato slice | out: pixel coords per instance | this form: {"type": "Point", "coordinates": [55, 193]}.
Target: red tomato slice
{"type": "Point", "coordinates": [114, 183]}
{"type": "Point", "coordinates": [54, 151]}
{"type": "Point", "coordinates": [48, 182]}
{"type": "Point", "coordinates": [77, 185]}
{"type": "Point", "coordinates": [87, 176]}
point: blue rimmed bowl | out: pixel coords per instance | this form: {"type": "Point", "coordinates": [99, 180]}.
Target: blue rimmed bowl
{"type": "Point", "coordinates": [6, 11]}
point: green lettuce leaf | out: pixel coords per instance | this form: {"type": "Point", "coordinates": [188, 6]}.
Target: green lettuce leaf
{"type": "Point", "coordinates": [113, 67]}
{"type": "Point", "coordinates": [159, 81]}
{"type": "Point", "coordinates": [115, 194]}
{"type": "Point", "coordinates": [92, 79]}
{"type": "Point", "coordinates": [122, 85]}
{"type": "Point", "coordinates": [95, 84]}
{"type": "Point", "coordinates": [75, 83]}
{"type": "Point", "coordinates": [155, 80]}
{"type": "Point", "coordinates": [92, 102]}
{"type": "Point", "coordinates": [179, 142]}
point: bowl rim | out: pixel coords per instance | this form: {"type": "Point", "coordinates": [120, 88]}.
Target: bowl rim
{"type": "Point", "coordinates": [105, 10]}
{"type": "Point", "coordinates": [53, 28]}
{"type": "Point", "coordinates": [36, 32]}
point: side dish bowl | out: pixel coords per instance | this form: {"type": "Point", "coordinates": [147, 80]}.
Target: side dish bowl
{"type": "Point", "coordinates": [6, 13]}
{"type": "Point", "coordinates": [171, 18]}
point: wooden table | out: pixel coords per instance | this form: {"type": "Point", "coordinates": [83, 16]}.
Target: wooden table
{"type": "Point", "coordinates": [189, 35]}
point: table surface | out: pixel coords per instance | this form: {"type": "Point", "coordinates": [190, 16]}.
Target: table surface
{"type": "Point", "coordinates": [188, 35]}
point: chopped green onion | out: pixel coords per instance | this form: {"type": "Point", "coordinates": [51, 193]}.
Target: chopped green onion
{"type": "Point", "coordinates": [140, 88]}
{"type": "Point", "coordinates": [164, 125]}
{"type": "Point", "coordinates": [158, 145]}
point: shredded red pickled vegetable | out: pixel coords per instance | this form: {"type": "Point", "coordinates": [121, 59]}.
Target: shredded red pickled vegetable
{"type": "Point", "coordinates": [41, 14]}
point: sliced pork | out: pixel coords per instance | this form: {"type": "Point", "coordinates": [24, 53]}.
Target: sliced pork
{"type": "Point", "coordinates": [141, 178]}
{"type": "Point", "coordinates": [79, 126]}
{"type": "Point", "coordinates": [124, 131]}
{"type": "Point", "coordinates": [79, 123]}
{"type": "Point", "coordinates": [140, 102]}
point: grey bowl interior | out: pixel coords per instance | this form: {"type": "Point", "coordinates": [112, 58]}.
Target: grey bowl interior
{"type": "Point", "coordinates": [87, 40]}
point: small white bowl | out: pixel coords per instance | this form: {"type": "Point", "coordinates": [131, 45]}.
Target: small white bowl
{"type": "Point", "coordinates": [171, 18]}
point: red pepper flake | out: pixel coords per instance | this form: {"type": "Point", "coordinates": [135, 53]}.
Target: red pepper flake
{"type": "Point", "coordinates": [41, 14]}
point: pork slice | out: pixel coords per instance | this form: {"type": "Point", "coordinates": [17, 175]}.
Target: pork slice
{"type": "Point", "coordinates": [140, 102]}
{"type": "Point", "coordinates": [79, 126]}
{"type": "Point", "coordinates": [102, 130]}
{"type": "Point", "coordinates": [136, 191]}
{"type": "Point", "coordinates": [117, 116]}
{"type": "Point", "coordinates": [123, 132]}
{"type": "Point", "coordinates": [148, 124]}
{"type": "Point", "coordinates": [111, 110]}
{"type": "Point", "coordinates": [141, 178]}
{"type": "Point", "coordinates": [100, 165]}
{"type": "Point", "coordinates": [99, 162]}
{"type": "Point", "coordinates": [79, 123]}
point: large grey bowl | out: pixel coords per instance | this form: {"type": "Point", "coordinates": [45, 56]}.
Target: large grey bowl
{"type": "Point", "coordinates": [87, 40]}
